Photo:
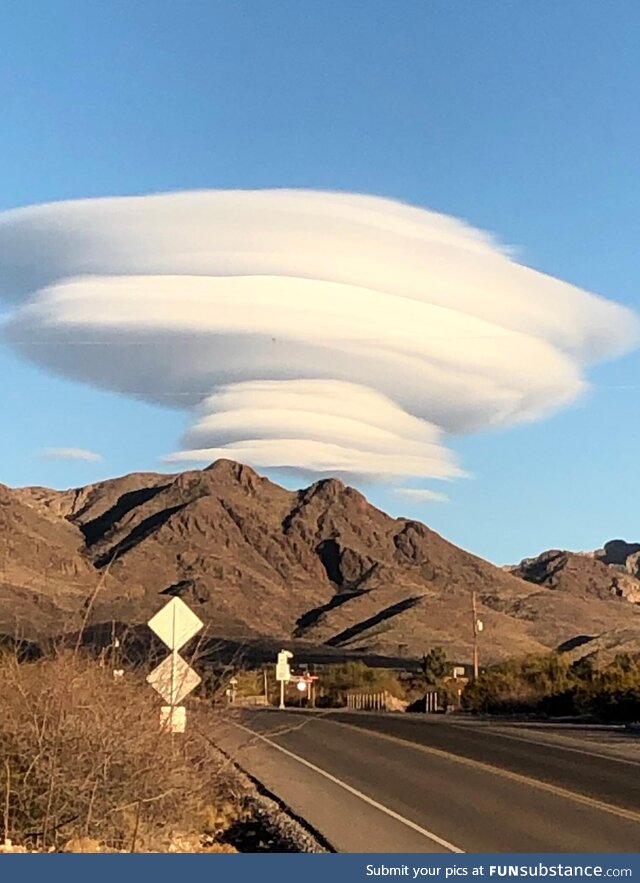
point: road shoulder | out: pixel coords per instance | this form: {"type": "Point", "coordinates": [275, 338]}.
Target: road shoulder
{"type": "Point", "coordinates": [348, 822]}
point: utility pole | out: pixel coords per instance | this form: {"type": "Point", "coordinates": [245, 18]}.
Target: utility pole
{"type": "Point", "coordinates": [477, 628]}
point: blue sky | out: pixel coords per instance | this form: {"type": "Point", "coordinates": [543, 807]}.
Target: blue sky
{"type": "Point", "coordinates": [520, 118]}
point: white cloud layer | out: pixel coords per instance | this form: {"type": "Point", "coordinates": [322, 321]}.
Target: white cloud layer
{"type": "Point", "coordinates": [71, 454]}
{"type": "Point", "coordinates": [322, 332]}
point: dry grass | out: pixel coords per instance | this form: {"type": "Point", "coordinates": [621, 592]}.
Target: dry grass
{"type": "Point", "coordinates": [84, 760]}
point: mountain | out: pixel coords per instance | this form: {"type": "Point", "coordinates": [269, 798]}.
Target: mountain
{"type": "Point", "coordinates": [613, 570]}
{"type": "Point", "coordinates": [45, 577]}
{"type": "Point", "coordinates": [255, 561]}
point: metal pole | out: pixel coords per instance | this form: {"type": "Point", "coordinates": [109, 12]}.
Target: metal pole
{"type": "Point", "coordinates": [266, 687]}
{"type": "Point", "coordinates": [474, 612]}
{"type": "Point", "coordinates": [281, 694]}
{"type": "Point", "coordinates": [173, 673]}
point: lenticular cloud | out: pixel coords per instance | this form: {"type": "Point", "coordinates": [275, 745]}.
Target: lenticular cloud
{"type": "Point", "coordinates": [321, 332]}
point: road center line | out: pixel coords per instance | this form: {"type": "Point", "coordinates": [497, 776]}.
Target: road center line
{"type": "Point", "coordinates": [374, 803]}
{"type": "Point", "coordinates": [506, 774]}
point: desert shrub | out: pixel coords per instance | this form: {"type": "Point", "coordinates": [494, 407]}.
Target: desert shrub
{"type": "Point", "coordinates": [614, 694]}
{"type": "Point", "coordinates": [552, 686]}
{"type": "Point", "coordinates": [435, 666]}
{"type": "Point", "coordinates": [250, 681]}
{"type": "Point", "coordinates": [518, 685]}
{"type": "Point", "coordinates": [84, 757]}
{"type": "Point", "coordinates": [434, 672]}
{"type": "Point", "coordinates": [355, 676]}
{"type": "Point", "coordinates": [621, 705]}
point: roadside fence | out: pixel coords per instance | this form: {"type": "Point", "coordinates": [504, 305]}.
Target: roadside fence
{"type": "Point", "coordinates": [369, 701]}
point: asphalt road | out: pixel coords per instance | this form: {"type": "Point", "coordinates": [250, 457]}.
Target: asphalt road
{"type": "Point", "coordinates": [394, 783]}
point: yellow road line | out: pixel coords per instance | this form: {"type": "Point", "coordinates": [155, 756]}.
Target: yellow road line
{"type": "Point", "coordinates": [506, 774]}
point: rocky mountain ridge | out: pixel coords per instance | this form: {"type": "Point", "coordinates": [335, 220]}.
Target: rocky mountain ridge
{"type": "Point", "coordinates": [612, 570]}
{"type": "Point", "coordinates": [319, 565]}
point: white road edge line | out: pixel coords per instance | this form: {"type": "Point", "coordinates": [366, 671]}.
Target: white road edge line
{"type": "Point", "coordinates": [374, 803]}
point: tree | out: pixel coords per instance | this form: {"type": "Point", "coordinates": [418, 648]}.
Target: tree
{"type": "Point", "coordinates": [336, 681]}
{"type": "Point", "coordinates": [435, 665]}
{"type": "Point", "coordinates": [583, 670]}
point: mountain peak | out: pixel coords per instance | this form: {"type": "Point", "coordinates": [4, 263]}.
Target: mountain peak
{"type": "Point", "coordinates": [328, 487]}
{"type": "Point", "coordinates": [232, 472]}
{"type": "Point", "coordinates": [232, 468]}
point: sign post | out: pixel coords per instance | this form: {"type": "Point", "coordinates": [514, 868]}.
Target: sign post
{"type": "Point", "coordinates": [173, 679]}
{"type": "Point", "coordinates": [283, 672]}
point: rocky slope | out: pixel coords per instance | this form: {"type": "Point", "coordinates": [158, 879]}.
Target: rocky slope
{"type": "Point", "coordinates": [320, 565]}
{"type": "Point", "coordinates": [611, 571]}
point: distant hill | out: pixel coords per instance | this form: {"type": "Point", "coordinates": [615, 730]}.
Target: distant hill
{"type": "Point", "coordinates": [257, 562]}
{"type": "Point", "coordinates": [612, 571]}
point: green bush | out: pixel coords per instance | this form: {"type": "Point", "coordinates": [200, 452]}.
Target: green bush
{"type": "Point", "coordinates": [552, 686]}
{"type": "Point", "coordinates": [336, 681]}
